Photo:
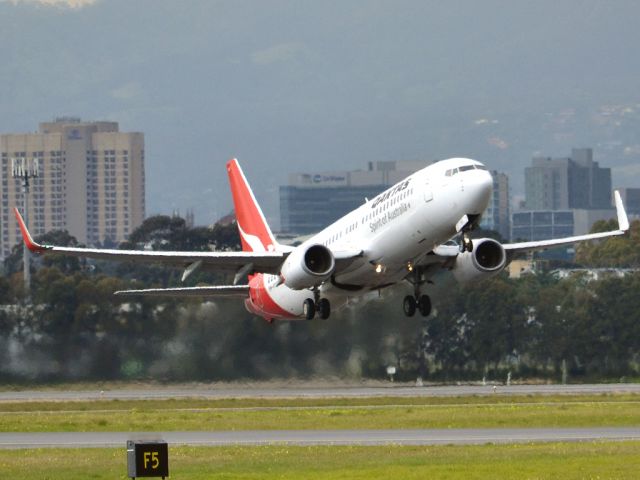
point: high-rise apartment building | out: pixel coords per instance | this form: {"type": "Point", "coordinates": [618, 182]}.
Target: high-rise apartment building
{"type": "Point", "coordinates": [91, 181]}
{"type": "Point", "coordinates": [575, 182]}
{"type": "Point", "coordinates": [497, 216]}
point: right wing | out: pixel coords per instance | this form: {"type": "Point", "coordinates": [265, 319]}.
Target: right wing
{"type": "Point", "coordinates": [623, 227]}
{"type": "Point", "coordinates": [444, 256]}
{"type": "Point", "coordinates": [246, 262]}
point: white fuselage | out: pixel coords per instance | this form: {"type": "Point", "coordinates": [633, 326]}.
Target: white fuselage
{"type": "Point", "coordinates": [394, 231]}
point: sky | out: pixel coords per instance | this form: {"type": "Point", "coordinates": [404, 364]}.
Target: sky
{"type": "Point", "coordinates": [299, 85]}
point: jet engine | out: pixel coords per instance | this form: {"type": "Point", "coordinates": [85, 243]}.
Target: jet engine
{"type": "Point", "coordinates": [307, 267]}
{"type": "Point", "coordinates": [487, 258]}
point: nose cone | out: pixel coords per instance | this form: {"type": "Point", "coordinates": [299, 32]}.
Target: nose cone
{"type": "Point", "coordinates": [478, 187]}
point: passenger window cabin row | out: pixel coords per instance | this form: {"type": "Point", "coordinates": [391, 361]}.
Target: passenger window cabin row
{"type": "Point", "coordinates": [385, 206]}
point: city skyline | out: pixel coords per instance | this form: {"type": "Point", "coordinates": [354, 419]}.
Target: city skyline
{"type": "Point", "coordinates": [289, 85]}
{"type": "Point", "coordinates": [294, 200]}
{"type": "Point", "coordinates": [303, 189]}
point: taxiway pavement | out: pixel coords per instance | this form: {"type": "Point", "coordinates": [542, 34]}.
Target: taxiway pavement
{"type": "Point", "coordinates": [320, 437]}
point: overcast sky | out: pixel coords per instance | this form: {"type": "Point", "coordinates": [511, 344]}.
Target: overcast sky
{"type": "Point", "coordinates": [294, 85]}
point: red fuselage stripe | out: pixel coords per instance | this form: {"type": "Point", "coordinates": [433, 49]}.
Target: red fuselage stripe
{"type": "Point", "coordinates": [269, 308]}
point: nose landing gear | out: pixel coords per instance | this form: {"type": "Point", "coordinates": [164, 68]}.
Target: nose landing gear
{"type": "Point", "coordinates": [467, 244]}
{"type": "Point", "coordinates": [466, 224]}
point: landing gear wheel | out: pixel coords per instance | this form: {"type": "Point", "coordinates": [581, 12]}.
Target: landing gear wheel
{"type": "Point", "coordinates": [424, 305]}
{"type": "Point", "coordinates": [409, 306]}
{"type": "Point", "coordinates": [309, 309]}
{"type": "Point", "coordinates": [324, 308]}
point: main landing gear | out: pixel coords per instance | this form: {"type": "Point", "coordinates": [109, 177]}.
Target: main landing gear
{"type": "Point", "coordinates": [417, 301]}
{"type": "Point", "coordinates": [422, 303]}
{"type": "Point", "coordinates": [321, 306]}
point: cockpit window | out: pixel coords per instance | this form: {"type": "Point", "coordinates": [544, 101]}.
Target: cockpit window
{"type": "Point", "coordinates": [453, 171]}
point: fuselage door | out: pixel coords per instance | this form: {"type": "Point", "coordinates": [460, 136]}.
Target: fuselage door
{"type": "Point", "coordinates": [428, 192]}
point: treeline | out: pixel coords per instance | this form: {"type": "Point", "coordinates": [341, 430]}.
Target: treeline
{"type": "Point", "coordinates": [74, 328]}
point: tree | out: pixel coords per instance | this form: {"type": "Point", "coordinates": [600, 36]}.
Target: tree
{"type": "Point", "coordinates": [496, 321]}
{"type": "Point", "coordinates": [162, 232]}
{"type": "Point", "coordinates": [620, 251]}
{"type": "Point", "coordinates": [615, 320]}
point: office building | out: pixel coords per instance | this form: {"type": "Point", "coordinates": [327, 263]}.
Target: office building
{"type": "Point", "coordinates": [497, 216]}
{"type": "Point", "coordinates": [575, 182]}
{"type": "Point", "coordinates": [311, 201]}
{"type": "Point", "coordinates": [91, 181]}
{"type": "Point", "coordinates": [631, 200]}
{"type": "Point", "coordinates": [548, 224]}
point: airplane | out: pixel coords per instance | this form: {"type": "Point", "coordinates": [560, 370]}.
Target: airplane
{"type": "Point", "coordinates": [404, 234]}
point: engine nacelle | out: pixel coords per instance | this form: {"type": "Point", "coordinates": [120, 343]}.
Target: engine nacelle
{"type": "Point", "coordinates": [487, 259]}
{"type": "Point", "coordinates": [308, 267]}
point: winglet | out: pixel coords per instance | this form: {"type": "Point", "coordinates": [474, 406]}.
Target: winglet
{"type": "Point", "coordinates": [26, 236]}
{"type": "Point", "coordinates": [623, 221]}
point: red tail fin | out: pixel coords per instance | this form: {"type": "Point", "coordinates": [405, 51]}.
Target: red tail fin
{"type": "Point", "coordinates": [255, 234]}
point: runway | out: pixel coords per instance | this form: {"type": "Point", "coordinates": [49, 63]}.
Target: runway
{"type": "Point", "coordinates": [320, 437]}
{"type": "Point", "coordinates": [215, 391]}
{"type": "Point", "coordinates": [314, 437]}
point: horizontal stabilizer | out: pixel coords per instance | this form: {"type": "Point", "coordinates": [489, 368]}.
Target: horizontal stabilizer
{"type": "Point", "coordinates": [212, 291]}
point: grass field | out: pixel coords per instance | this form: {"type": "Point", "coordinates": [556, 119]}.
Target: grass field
{"type": "Point", "coordinates": [587, 460]}
{"type": "Point", "coordinates": [593, 460]}
{"type": "Point", "coordinates": [344, 413]}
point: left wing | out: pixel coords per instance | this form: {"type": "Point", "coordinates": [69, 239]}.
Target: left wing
{"type": "Point", "coordinates": [623, 227]}
{"type": "Point", "coordinates": [210, 291]}
{"type": "Point", "coordinates": [246, 262]}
